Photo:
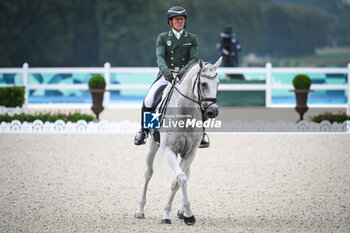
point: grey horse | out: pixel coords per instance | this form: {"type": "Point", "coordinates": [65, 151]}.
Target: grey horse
{"type": "Point", "coordinates": [192, 97]}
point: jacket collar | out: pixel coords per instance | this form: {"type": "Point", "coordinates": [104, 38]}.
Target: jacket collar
{"type": "Point", "coordinates": [184, 33]}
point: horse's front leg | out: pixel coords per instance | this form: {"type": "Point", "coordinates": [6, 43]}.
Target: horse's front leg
{"type": "Point", "coordinates": [151, 150]}
{"type": "Point", "coordinates": [167, 210]}
{"type": "Point", "coordinates": [181, 210]}
{"type": "Point", "coordinates": [185, 211]}
{"type": "Point", "coordinates": [180, 181]}
{"type": "Point", "coordinates": [174, 188]}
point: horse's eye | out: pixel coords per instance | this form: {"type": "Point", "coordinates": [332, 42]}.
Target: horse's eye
{"type": "Point", "coordinates": [204, 85]}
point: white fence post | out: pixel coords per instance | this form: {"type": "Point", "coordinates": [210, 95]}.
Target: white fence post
{"type": "Point", "coordinates": [348, 107]}
{"type": "Point", "coordinates": [268, 85]}
{"type": "Point", "coordinates": [107, 75]}
{"type": "Point", "coordinates": [25, 83]}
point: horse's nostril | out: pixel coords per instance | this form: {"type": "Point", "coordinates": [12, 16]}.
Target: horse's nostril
{"type": "Point", "coordinates": [213, 113]}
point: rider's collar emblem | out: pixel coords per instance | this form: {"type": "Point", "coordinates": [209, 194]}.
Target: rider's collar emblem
{"type": "Point", "coordinates": [169, 42]}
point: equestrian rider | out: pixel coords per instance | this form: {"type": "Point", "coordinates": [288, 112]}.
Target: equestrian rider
{"type": "Point", "coordinates": [176, 51]}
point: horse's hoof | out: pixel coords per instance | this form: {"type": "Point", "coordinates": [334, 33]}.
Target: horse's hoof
{"type": "Point", "coordinates": [180, 215]}
{"type": "Point", "coordinates": [189, 221]}
{"type": "Point", "coordinates": [165, 221]}
{"type": "Point", "coordinates": [139, 215]}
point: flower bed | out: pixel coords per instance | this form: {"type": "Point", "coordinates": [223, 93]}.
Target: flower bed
{"type": "Point", "coordinates": [328, 116]}
{"type": "Point", "coordinates": [50, 117]}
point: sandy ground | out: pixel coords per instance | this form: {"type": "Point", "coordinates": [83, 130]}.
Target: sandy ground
{"type": "Point", "coordinates": [243, 183]}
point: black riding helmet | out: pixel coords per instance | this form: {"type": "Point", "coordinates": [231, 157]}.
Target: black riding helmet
{"type": "Point", "coordinates": [176, 11]}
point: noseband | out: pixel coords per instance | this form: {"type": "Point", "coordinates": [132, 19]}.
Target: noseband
{"type": "Point", "coordinates": [200, 99]}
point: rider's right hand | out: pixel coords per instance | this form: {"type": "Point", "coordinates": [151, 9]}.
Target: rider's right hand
{"type": "Point", "coordinates": [169, 77]}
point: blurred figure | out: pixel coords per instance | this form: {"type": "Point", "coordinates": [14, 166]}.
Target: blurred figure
{"type": "Point", "coordinates": [229, 47]}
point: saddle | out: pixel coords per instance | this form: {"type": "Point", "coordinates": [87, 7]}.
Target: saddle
{"type": "Point", "coordinates": [162, 103]}
{"type": "Point", "coordinates": [158, 97]}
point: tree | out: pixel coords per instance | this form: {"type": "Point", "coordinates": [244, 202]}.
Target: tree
{"type": "Point", "coordinates": [91, 32]}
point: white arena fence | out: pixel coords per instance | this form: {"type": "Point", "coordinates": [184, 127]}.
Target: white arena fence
{"type": "Point", "coordinates": [127, 127]}
{"type": "Point", "coordinates": [107, 70]}
{"type": "Point", "coordinates": [61, 127]}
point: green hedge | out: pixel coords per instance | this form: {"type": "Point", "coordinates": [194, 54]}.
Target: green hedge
{"type": "Point", "coordinates": [12, 96]}
{"type": "Point", "coordinates": [340, 117]}
{"type": "Point", "coordinates": [51, 117]}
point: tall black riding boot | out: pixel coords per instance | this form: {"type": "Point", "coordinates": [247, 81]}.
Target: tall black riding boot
{"type": "Point", "coordinates": [205, 142]}
{"type": "Point", "coordinates": [141, 134]}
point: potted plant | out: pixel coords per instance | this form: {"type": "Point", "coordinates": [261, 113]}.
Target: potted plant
{"type": "Point", "coordinates": [97, 85]}
{"type": "Point", "coordinates": [301, 85]}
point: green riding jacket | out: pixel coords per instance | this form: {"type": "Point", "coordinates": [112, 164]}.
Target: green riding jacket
{"type": "Point", "coordinates": [176, 54]}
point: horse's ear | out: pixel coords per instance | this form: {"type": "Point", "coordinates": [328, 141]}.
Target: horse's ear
{"type": "Point", "coordinates": [201, 63]}
{"type": "Point", "coordinates": [218, 63]}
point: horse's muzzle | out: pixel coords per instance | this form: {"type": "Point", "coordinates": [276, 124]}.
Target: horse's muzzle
{"type": "Point", "coordinates": [212, 111]}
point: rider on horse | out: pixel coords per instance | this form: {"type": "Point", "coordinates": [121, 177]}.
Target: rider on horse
{"type": "Point", "coordinates": [176, 51]}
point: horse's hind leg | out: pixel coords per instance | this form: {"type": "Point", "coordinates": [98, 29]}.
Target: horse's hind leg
{"type": "Point", "coordinates": [151, 150]}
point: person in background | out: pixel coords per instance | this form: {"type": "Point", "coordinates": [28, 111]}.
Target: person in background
{"type": "Point", "coordinates": [176, 51]}
{"type": "Point", "coordinates": [229, 47]}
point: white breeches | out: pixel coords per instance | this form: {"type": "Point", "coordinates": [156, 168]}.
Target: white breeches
{"type": "Point", "coordinates": [149, 99]}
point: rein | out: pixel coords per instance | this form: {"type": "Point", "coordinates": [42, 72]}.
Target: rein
{"type": "Point", "coordinates": [164, 103]}
{"type": "Point", "coordinates": [200, 99]}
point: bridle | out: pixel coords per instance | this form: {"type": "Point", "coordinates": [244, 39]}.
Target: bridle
{"type": "Point", "coordinates": [200, 99]}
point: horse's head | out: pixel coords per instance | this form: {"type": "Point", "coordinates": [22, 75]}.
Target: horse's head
{"type": "Point", "coordinates": [205, 88]}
